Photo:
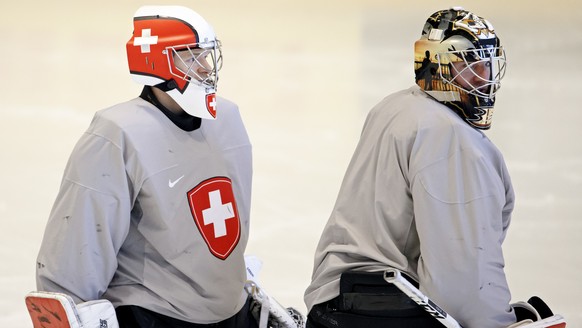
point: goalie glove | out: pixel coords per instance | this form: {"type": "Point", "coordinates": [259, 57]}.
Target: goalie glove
{"type": "Point", "coordinates": [535, 314]}
{"type": "Point", "coordinates": [525, 311]}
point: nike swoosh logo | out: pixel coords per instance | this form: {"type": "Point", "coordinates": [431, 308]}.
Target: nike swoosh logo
{"type": "Point", "coordinates": [171, 183]}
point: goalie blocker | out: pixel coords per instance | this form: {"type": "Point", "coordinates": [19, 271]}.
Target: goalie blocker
{"type": "Point", "coordinates": [57, 310]}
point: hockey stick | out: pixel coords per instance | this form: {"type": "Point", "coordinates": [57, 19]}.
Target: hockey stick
{"type": "Point", "coordinates": [394, 276]}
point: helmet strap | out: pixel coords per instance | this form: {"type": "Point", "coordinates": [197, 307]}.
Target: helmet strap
{"type": "Point", "coordinates": [167, 85]}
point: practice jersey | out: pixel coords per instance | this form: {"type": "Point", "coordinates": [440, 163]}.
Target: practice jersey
{"type": "Point", "coordinates": [152, 215]}
{"type": "Point", "coordinates": [429, 195]}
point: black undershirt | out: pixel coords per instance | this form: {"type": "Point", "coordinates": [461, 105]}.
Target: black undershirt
{"type": "Point", "coordinates": [184, 121]}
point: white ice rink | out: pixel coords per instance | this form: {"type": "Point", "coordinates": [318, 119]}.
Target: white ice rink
{"type": "Point", "coordinates": [304, 73]}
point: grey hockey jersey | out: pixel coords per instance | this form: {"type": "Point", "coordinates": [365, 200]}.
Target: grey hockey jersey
{"type": "Point", "coordinates": [429, 195]}
{"type": "Point", "coordinates": [152, 215]}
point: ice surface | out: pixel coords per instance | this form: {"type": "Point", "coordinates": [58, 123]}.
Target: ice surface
{"type": "Point", "coordinates": [304, 73]}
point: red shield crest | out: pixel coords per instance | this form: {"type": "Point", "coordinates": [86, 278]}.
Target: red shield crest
{"type": "Point", "coordinates": [211, 104]}
{"type": "Point", "coordinates": [215, 213]}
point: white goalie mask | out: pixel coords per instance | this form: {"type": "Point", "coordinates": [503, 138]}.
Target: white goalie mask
{"type": "Point", "coordinates": [175, 49]}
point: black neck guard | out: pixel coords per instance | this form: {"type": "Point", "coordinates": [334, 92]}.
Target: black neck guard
{"type": "Point", "coordinates": [184, 121]}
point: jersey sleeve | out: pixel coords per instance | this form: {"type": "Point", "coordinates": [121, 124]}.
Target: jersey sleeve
{"type": "Point", "coordinates": [88, 223]}
{"type": "Point", "coordinates": [461, 207]}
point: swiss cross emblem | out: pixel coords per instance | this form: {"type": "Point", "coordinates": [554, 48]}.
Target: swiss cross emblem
{"type": "Point", "coordinates": [145, 40]}
{"type": "Point", "coordinates": [214, 210]}
{"type": "Point", "coordinates": [211, 104]}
